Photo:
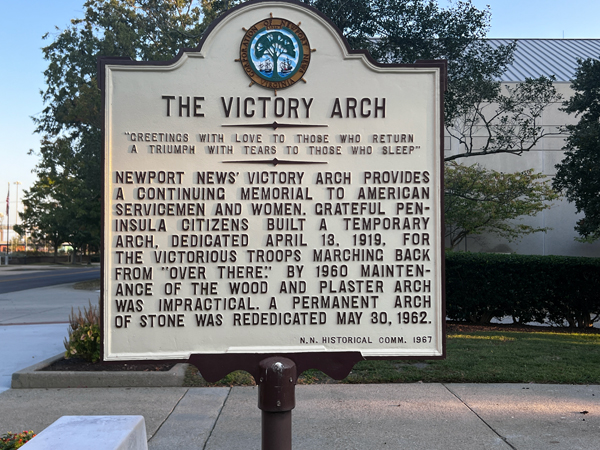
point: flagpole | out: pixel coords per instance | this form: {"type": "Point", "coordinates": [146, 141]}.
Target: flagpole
{"type": "Point", "coordinates": [7, 221]}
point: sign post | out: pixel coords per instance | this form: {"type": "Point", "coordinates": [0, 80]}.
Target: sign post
{"type": "Point", "coordinates": [272, 193]}
{"type": "Point", "coordinates": [276, 399]}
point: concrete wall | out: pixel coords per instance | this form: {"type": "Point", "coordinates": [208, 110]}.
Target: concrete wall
{"type": "Point", "coordinates": [561, 217]}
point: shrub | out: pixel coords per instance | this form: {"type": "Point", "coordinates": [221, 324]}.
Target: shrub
{"type": "Point", "coordinates": [551, 289]}
{"type": "Point", "coordinates": [84, 334]}
{"type": "Point", "coordinates": [575, 295]}
{"type": "Point", "coordinates": [9, 441]}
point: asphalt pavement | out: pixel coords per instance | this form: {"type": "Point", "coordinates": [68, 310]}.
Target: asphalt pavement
{"type": "Point", "coordinates": [386, 416]}
{"type": "Point", "coordinates": [20, 278]}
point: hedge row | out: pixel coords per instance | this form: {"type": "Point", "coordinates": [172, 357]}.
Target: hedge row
{"type": "Point", "coordinates": [558, 290]}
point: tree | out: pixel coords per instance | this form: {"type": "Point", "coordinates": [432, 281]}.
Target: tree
{"type": "Point", "coordinates": [394, 31]}
{"type": "Point", "coordinates": [497, 121]}
{"type": "Point", "coordinates": [54, 204]}
{"type": "Point", "coordinates": [46, 221]}
{"type": "Point", "coordinates": [64, 203]}
{"type": "Point", "coordinates": [478, 200]}
{"type": "Point", "coordinates": [578, 174]}
{"type": "Point", "coordinates": [484, 118]}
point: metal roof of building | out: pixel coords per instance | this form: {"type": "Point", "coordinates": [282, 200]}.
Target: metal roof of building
{"type": "Point", "coordinates": [536, 57]}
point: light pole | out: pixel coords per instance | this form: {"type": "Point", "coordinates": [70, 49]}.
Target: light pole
{"type": "Point", "coordinates": [18, 183]}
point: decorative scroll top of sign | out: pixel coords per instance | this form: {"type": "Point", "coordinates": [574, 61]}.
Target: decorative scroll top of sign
{"type": "Point", "coordinates": [275, 53]}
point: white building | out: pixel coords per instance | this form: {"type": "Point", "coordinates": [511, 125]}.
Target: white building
{"type": "Point", "coordinates": [534, 58]}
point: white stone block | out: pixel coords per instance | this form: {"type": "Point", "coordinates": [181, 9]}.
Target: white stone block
{"type": "Point", "coordinates": [92, 433]}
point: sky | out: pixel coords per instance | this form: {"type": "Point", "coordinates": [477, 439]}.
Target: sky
{"type": "Point", "coordinates": [22, 26]}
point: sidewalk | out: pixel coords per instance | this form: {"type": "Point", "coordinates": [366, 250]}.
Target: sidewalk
{"type": "Point", "coordinates": [345, 417]}
{"type": "Point", "coordinates": [33, 324]}
{"type": "Point", "coordinates": [24, 345]}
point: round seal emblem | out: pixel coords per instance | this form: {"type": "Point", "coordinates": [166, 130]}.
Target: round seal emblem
{"type": "Point", "coordinates": [275, 53]}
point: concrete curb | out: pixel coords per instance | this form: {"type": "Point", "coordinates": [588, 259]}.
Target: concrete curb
{"type": "Point", "coordinates": [32, 378]}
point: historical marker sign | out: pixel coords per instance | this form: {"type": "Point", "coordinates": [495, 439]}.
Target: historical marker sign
{"type": "Point", "coordinates": [272, 192]}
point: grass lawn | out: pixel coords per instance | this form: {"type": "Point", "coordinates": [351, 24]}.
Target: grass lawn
{"type": "Point", "coordinates": [89, 285]}
{"type": "Point", "coordinates": [475, 355]}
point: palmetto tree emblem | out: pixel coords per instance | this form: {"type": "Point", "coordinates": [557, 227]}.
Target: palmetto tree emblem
{"type": "Point", "coordinates": [275, 53]}
{"type": "Point", "coordinates": [274, 45]}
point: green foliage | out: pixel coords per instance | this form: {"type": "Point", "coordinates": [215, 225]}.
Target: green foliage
{"type": "Point", "coordinates": [405, 31]}
{"type": "Point", "coordinates": [64, 203]}
{"type": "Point", "coordinates": [550, 289]}
{"type": "Point", "coordinates": [478, 200]}
{"type": "Point", "coordinates": [84, 334]}
{"type": "Point", "coordinates": [211, 9]}
{"type": "Point", "coordinates": [60, 207]}
{"type": "Point", "coordinates": [10, 441]}
{"type": "Point", "coordinates": [138, 29]}
{"type": "Point", "coordinates": [578, 174]}
{"type": "Point", "coordinates": [408, 31]}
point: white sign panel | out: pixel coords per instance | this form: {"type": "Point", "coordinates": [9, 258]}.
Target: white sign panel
{"type": "Point", "coordinates": [272, 192]}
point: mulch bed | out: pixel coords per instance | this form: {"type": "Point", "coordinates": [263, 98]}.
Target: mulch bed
{"type": "Point", "coordinates": [80, 365]}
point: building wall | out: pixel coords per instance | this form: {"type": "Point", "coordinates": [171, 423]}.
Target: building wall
{"type": "Point", "coordinates": [561, 217]}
